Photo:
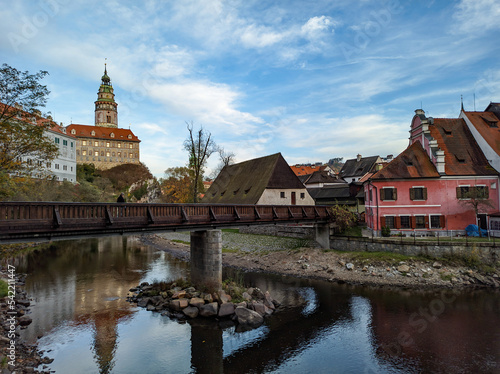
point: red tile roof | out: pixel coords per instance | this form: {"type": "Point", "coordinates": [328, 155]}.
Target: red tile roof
{"type": "Point", "coordinates": [85, 131]}
{"type": "Point", "coordinates": [306, 170]}
{"type": "Point", "coordinates": [488, 126]}
{"type": "Point", "coordinates": [413, 162]}
{"type": "Point", "coordinates": [462, 154]}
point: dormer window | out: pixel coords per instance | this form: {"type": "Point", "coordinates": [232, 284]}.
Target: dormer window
{"type": "Point", "coordinates": [112, 135]}
{"type": "Point", "coordinates": [129, 136]}
{"type": "Point", "coordinates": [73, 131]}
{"type": "Point", "coordinates": [92, 133]}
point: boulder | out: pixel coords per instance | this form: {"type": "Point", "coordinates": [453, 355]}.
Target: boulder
{"type": "Point", "coordinates": [268, 301]}
{"type": "Point", "coordinates": [191, 311]}
{"type": "Point", "coordinates": [248, 317]}
{"type": "Point", "coordinates": [25, 320]}
{"type": "Point", "coordinates": [144, 302]}
{"type": "Point", "coordinates": [209, 310]}
{"type": "Point", "coordinates": [178, 304]}
{"type": "Point", "coordinates": [196, 302]}
{"type": "Point", "coordinates": [403, 268]}
{"type": "Point", "coordinates": [247, 296]}
{"type": "Point", "coordinates": [226, 309]}
{"type": "Point", "coordinates": [261, 309]}
{"type": "Point", "coordinates": [179, 294]}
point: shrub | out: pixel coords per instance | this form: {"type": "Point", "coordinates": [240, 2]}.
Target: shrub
{"type": "Point", "coordinates": [386, 231]}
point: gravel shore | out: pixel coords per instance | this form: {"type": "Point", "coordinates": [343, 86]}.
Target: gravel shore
{"type": "Point", "coordinates": [302, 258]}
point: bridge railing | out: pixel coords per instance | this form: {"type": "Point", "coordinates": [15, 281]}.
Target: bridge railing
{"type": "Point", "coordinates": [59, 219]}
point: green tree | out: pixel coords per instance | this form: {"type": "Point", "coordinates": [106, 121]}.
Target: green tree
{"type": "Point", "coordinates": [200, 146]}
{"type": "Point", "coordinates": [24, 145]}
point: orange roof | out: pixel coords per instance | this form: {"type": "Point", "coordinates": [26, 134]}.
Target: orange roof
{"type": "Point", "coordinates": [34, 118]}
{"type": "Point", "coordinates": [462, 154]}
{"type": "Point", "coordinates": [306, 170]}
{"type": "Point", "coordinates": [85, 131]}
{"type": "Point", "coordinates": [487, 124]}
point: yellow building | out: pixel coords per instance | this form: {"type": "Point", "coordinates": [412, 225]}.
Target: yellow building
{"type": "Point", "coordinates": [104, 144]}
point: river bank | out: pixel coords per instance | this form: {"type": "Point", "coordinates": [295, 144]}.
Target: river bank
{"type": "Point", "coordinates": [357, 268]}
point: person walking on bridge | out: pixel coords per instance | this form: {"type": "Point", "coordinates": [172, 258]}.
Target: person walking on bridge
{"type": "Point", "coordinates": [121, 198]}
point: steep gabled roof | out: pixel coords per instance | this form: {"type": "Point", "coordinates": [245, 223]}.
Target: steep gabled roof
{"type": "Point", "coordinates": [413, 162]}
{"type": "Point", "coordinates": [463, 156]}
{"type": "Point", "coordinates": [488, 126]}
{"type": "Point", "coordinates": [244, 183]}
{"type": "Point", "coordinates": [85, 131]}
{"type": "Point", "coordinates": [355, 168]}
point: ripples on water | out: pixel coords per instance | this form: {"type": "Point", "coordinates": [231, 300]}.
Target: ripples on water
{"type": "Point", "coordinates": [88, 327]}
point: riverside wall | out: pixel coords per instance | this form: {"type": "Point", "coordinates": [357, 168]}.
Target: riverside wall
{"type": "Point", "coordinates": [291, 231]}
{"type": "Point", "coordinates": [488, 253]}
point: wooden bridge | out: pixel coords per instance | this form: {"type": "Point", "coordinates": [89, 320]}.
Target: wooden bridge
{"type": "Point", "coordinates": [41, 221]}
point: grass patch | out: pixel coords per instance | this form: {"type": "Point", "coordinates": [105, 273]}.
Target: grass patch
{"type": "Point", "coordinates": [355, 231]}
{"type": "Point", "coordinates": [13, 250]}
{"type": "Point", "coordinates": [445, 276]}
{"type": "Point", "coordinates": [373, 257]}
{"type": "Point", "coordinates": [4, 288]}
{"type": "Point", "coordinates": [230, 250]}
{"type": "Point", "coordinates": [234, 231]}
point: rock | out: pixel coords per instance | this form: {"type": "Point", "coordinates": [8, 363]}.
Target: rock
{"type": "Point", "coordinates": [246, 296]}
{"type": "Point", "coordinates": [209, 310]}
{"type": "Point", "coordinates": [226, 309]}
{"type": "Point", "coordinates": [248, 317]}
{"type": "Point", "coordinates": [224, 298]}
{"type": "Point", "coordinates": [243, 304]}
{"type": "Point", "coordinates": [196, 302]}
{"type": "Point", "coordinates": [262, 309]}
{"type": "Point", "coordinates": [179, 294]}
{"type": "Point", "coordinates": [437, 265]}
{"type": "Point", "coordinates": [258, 294]}
{"type": "Point", "coordinates": [207, 297]}
{"type": "Point", "coordinates": [403, 268]}
{"type": "Point", "coordinates": [144, 302]}
{"type": "Point", "coordinates": [305, 266]}
{"type": "Point", "coordinates": [342, 263]}
{"type": "Point", "coordinates": [349, 266]}
{"type": "Point", "coordinates": [150, 308]}
{"type": "Point", "coordinates": [191, 311]}
{"type": "Point", "coordinates": [23, 302]}
{"type": "Point", "coordinates": [268, 301]}
{"type": "Point", "coordinates": [178, 304]}
{"type": "Point", "coordinates": [25, 320]}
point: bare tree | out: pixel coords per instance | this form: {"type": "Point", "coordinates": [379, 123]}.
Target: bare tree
{"type": "Point", "coordinates": [226, 159]}
{"type": "Point", "coordinates": [475, 198]}
{"type": "Point", "coordinates": [200, 146]}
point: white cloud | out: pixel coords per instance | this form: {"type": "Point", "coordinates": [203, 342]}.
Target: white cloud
{"type": "Point", "coordinates": [315, 27]}
{"type": "Point", "coordinates": [255, 36]}
{"type": "Point", "coordinates": [476, 16]}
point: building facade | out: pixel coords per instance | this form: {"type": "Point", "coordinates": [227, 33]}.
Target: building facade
{"type": "Point", "coordinates": [105, 144]}
{"type": "Point", "coordinates": [441, 182]}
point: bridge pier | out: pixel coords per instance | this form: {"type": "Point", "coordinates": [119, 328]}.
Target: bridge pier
{"type": "Point", "coordinates": [322, 234]}
{"type": "Point", "coordinates": [206, 259]}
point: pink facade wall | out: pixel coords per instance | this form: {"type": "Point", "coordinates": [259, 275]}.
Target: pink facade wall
{"type": "Point", "coordinates": [441, 200]}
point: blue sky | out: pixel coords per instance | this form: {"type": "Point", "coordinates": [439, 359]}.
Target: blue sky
{"type": "Point", "coordinates": [310, 79]}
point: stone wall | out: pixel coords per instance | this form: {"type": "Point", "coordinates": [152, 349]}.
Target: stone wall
{"type": "Point", "coordinates": [292, 231]}
{"type": "Point", "coordinates": [488, 253]}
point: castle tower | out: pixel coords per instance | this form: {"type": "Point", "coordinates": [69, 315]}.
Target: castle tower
{"type": "Point", "coordinates": [106, 114]}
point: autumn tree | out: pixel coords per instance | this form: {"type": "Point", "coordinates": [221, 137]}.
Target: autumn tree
{"type": "Point", "coordinates": [176, 187]}
{"type": "Point", "coordinates": [23, 143]}
{"type": "Point", "coordinates": [200, 146]}
{"type": "Point", "coordinates": [343, 217]}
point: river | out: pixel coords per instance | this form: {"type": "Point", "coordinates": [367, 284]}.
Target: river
{"type": "Point", "coordinates": [83, 321]}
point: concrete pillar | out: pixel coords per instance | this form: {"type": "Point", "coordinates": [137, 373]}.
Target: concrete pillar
{"type": "Point", "coordinates": [322, 233]}
{"type": "Point", "coordinates": [206, 259]}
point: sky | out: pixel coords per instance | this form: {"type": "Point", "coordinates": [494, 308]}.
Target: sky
{"type": "Point", "coordinates": [312, 79]}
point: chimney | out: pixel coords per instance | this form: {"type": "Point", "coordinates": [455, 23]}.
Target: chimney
{"type": "Point", "coordinates": [358, 157]}
{"type": "Point", "coordinates": [440, 161]}
{"type": "Point", "coordinates": [419, 111]}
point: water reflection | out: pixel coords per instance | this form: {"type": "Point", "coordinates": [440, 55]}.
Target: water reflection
{"type": "Point", "coordinates": [80, 288]}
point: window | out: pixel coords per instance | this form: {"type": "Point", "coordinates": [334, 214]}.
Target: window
{"type": "Point", "coordinates": [57, 140]}
{"type": "Point", "coordinates": [112, 135]}
{"type": "Point", "coordinates": [482, 192]}
{"type": "Point", "coordinates": [390, 222]}
{"type": "Point", "coordinates": [437, 222]}
{"type": "Point", "coordinates": [463, 192]}
{"type": "Point", "coordinates": [119, 154]}
{"type": "Point", "coordinates": [119, 145]}
{"type": "Point", "coordinates": [130, 155]}
{"type": "Point", "coordinates": [96, 144]}
{"type": "Point", "coordinates": [65, 142]}
{"type": "Point", "coordinates": [107, 154]}
{"type": "Point", "coordinates": [73, 131]}
{"type": "Point", "coordinates": [65, 167]}
{"type": "Point", "coordinates": [84, 153]}
{"type": "Point", "coordinates": [282, 195]}
{"type": "Point", "coordinates": [84, 142]}
{"type": "Point", "coordinates": [131, 146]}
{"type": "Point", "coordinates": [92, 133]}
{"type": "Point", "coordinates": [49, 165]}
{"type": "Point", "coordinates": [71, 144]}
{"type": "Point", "coordinates": [370, 195]}
{"type": "Point", "coordinates": [420, 222]}
{"type": "Point", "coordinates": [418, 193]}
{"type": "Point", "coordinates": [129, 136]}
{"type": "Point", "coordinates": [302, 195]}
{"type": "Point", "coordinates": [405, 222]}
{"type": "Point", "coordinates": [388, 193]}
{"type": "Point", "coordinates": [96, 153]}
{"type": "Point", "coordinates": [56, 166]}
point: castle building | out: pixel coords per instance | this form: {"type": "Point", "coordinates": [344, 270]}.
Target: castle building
{"type": "Point", "coordinates": [105, 144]}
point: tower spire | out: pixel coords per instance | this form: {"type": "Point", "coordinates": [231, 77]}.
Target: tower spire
{"type": "Point", "coordinates": [106, 113]}
{"type": "Point", "coordinates": [462, 102]}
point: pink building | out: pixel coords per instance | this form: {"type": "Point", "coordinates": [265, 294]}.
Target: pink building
{"type": "Point", "coordinates": [436, 184]}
